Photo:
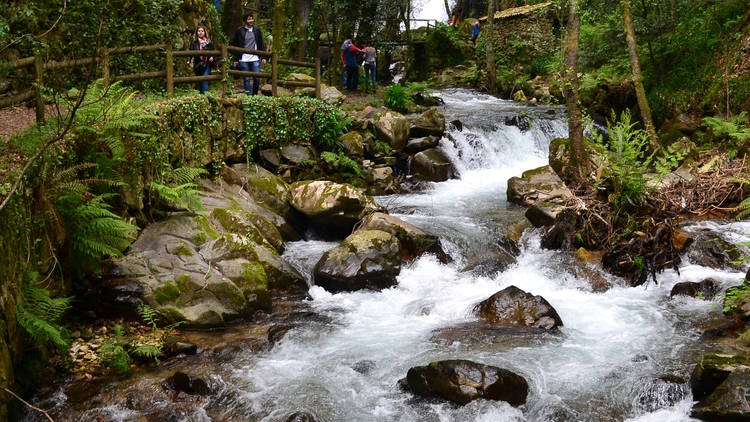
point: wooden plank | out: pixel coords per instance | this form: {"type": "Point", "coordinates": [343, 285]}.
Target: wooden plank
{"type": "Point", "coordinates": [188, 79]}
{"type": "Point", "coordinates": [137, 48]}
{"type": "Point", "coordinates": [196, 53]}
{"type": "Point", "coordinates": [296, 63]}
{"type": "Point", "coordinates": [18, 98]}
{"type": "Point", "coordinates": [297, 83]}
{"type": "Point", "coordinates": [317, 77]}
{"type": "Point", "coordinates": [141, 76]}
{"type": "Point", "coordinates": [68, 63]}
{"type": "Point", "coordinates": [170, 71]}
{"type": "Point", "coordinates": [39, 79]}
{"type": "Point", "coordinates": [258, 53]}
{"type": "Point", "coordinates": [250, 74]}
{"type": "Point", "coordinates": [274, 73]}
{"type": "Point", "coordinates": [26, 61]}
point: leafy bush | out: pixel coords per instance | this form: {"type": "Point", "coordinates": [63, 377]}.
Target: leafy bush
{"type": "Point", "coordinates": [113, 352]}
{"type": "Point", "coordinates": [445, 40]}
{"type": "Point", "coordinates": [396, 98]}
{"type": "Point", "coordinates": [627, 160]}
{"type": "Point", "coordinates": [339, 161]}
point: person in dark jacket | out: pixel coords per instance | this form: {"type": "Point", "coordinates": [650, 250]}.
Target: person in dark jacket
{"type": "Point", "coordinates": [202, 64]}
{"type": "Point", "coordinates": [249, 36]}
{"type": "Point", "coordinates": [349, 57]}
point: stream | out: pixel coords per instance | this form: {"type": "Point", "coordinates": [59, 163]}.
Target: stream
{"type": "Point", "coordinates": [616, 357]}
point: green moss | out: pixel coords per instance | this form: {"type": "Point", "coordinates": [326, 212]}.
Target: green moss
{"type": "Point", "coordinates": [200, 238]}
{"type": "Point", "coordinates": [202, 224]}
{"type": "Point", "coordinates": [183, 250]}
{"type": "Point", "coordinates": [166, 293]}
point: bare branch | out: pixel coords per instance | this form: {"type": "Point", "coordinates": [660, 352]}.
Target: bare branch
{"type": "Point", "coordinates": [30, 405]}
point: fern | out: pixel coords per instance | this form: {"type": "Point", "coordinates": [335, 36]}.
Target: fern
{"type": "Point", "coordinates": [743, 208]}
{"type": "Point", "coordinates": [179, 189]}
{"type": "Point", "coordinates": [670, 159]}
{"type": "Point", "coordinates": [736, 128]}
{"type": "Point", "coordinates": [147, 351]}
{"type": "Point", "coordinates": [149, 315]}
{"type": "Point", "coordinates": [113, 352]}
{"type": "Point", "coordinates": [39, 314]}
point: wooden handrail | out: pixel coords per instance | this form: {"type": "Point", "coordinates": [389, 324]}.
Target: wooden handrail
{"type": "Point", "coordinates": [102, 59]}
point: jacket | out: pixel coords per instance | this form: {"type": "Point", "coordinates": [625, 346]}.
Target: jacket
{"type": "Point", "coordinates": [195, 45]}
{"type": "Point", "coordinates": [238, 40]}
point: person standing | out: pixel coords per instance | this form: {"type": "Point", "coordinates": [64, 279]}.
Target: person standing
{"type": "Point", "coordinates": [370, 65]}
{"type": "Point", "coordinates": [202, 64]}
{"type": "Point", "coordinates": [352, 67]}
{"type": "Point", "coordinates": [249, 36]}
{"type": "Point", "coordinates": [475, 33]}
{"type": "Point", "coordinates": [344, 46]}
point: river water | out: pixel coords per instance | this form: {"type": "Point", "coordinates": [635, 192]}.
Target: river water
{"type": "Point", "coordinates": [611, 360]}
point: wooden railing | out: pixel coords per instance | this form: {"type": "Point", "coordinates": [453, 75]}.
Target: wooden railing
{"type": "Point", "coordinates": [168, 74]}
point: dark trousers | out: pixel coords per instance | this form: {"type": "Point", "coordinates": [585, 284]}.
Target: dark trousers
{"type": "Point", "coordinates": [352, 77]}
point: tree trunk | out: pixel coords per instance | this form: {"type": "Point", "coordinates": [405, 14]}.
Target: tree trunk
{"type": "Point", "coordinates": [491, 73]}
{"type": "Point", "coordinates": [406, 18]}
{"type": "Point", "coordinates": [279, 15]}
{"type": "Point", "coordinates": [575, 124]}
{"type": "Point", "coordinates": [232, 17]}
{"type": "Point", "coordinates": [640, 92]}
{"type": "Point", "coordinates": [447, 9]}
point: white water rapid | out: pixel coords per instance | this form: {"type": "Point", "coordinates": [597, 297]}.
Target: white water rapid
{"type": "Point", "coordinates": [616, 358]}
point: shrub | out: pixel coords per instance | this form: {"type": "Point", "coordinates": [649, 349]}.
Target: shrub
{"type": "Point", "coordinates": [396, 98]}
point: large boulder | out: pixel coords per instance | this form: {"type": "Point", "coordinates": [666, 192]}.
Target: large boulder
{"type": "Point", "coordinates": [393, 128]}
{"type": "Point", "coordinates": [461, 381]}
{"type": "Point", "coordinates": [353, 143]}
{"type": "Point", "coordinates": [429, 123]}
{"type": "Point", "coordinates": [542, 191]}
{"type": "Point", "coordinates": [331, 95]}
{"type": "Point", "coordinates": [514, 307]}
{"type": "Point", "coordinates": [414, 241]}
{"type": "Point", "coordinates": [432, 165]}
{"type": "Point", "coordinates": [712, 370]}
{"type": "Point", "coordinates": [706, 289]}
{"type": "Point", "coordinates": [710, 250]}
{"type": "Point", "coordinates": [297, 153]}
{"type": "Point", "coordinates": [728, 401]}
{"type": "Point", "coordinates": [420, 144]}
{"type": "Point", "coordinates": [367, 259]}
{"type": "Point", "coordinates": [203, 269]}
{"type": "Point", "coordinates": [333, 208]}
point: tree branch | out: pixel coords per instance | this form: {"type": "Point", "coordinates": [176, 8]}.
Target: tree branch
{"type": "Point", "coordinates": [29, 405]}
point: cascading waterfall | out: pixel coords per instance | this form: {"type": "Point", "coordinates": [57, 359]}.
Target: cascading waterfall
{"type": "Point", "coordinates": [610, 361]}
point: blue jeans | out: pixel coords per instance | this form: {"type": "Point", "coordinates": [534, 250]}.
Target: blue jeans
{"type": "Point", "coordinates": [251, 67]}
{"type": "Point", "coordinates": [203, 85]}
{"type": "Point", "coordinates": [370, 75]}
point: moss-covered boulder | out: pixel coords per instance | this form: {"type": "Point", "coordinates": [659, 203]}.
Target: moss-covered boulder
{"type": "Point", "coordinates": [432, 165]}
{"type": "Point", "coordinates": [462, 381]}
{"type": "Point", "coordinates": [429, 123]}
{"type": "Point", "coordinates": [353, 143]}
{"type": "Point", "coordinates": [516, 308]}
{"type": "Point", "coordinates": [392, 128]}
{"type": "Point", "coordinates": [367, 259]}
{"type": "Point", "coordinates": [332, 208]}
{"type": "Point", "coordinates": [414, 241]}
{"type": "Point", "coordinates": [719, 383]}
{"type": "Point", "coordinates": [420, 144]}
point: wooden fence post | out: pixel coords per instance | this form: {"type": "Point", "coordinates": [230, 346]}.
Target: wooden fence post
{"type": "Point", "coordinates": [274, 73]}
{"type": "Point", "coordinates": [104, 57]}
{"type": "Point", "coordinates": [39, 79]}
{"type": "Point", "coordinates": [224, 64]}
{"type": "Point", "coordinates": [170, 69]}
{"type": "Point", "coordinates": [317, 76]}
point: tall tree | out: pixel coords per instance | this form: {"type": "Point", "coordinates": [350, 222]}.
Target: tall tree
{"type": "Point", "coordinates": [405, 15]}
{"type": "Point", "coordinates": [447, 9]}
{"type": "Point", "coordinates": [575, 123]}
{"type": "Point", "coordinates": [635, 65]}
{"type": "Point", "coordinates": [491, 73]}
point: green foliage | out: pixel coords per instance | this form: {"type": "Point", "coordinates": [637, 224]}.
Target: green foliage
{"type": "Point", "coordinates": [736, 128]}
{"type": "Point", "coordinates": [734, 297]}
{"type": "Point", "coordinates": [147, 351]}
{"type": "Point", "coordinates": [179, 190]}
{"type": "Point", "coordinates": [40, 315]}
{"type": "Point", "coordinates": [445, 40]}
{"type": "Point", "coordinates": [743, 208]}
{"type": "Point", "coordinates": [148, 314]}
{"type": "Point", "coordinates": [396, 97]}
{"type": "Point", "coordinates": [669, 159]}
{"type": "Point", "coordinates": [113, 352]}
{"type": "Point", "coordinates": [339, 161]}
{"type": "Point", "coordinates": [275, 121]}
{"type": "Point", "coordinates": [627, 160]}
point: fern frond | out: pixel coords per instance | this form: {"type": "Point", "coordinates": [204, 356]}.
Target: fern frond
{"type": "Point", "coordinates": [147, 351]}
{"type": "Point", "coordinates": [184, 175]}
{"type": "Point", "coordinates": [149, 315]}
{"type": "Point", "coordinates": [39, 314]}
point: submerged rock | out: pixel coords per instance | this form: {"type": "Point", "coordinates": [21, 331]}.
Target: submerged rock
{"type": "Point", "coordinates": [300, 417]}
{"type": "Point", "coordinates": [514, 307]}
{"type": "Point", "coordinates": [367, 259]}
{"type": "Point", "coordinates": [461, 381]}
{"type": "Point", "coordinates": [414, 241]}
{"type": "Point", "coordinates": [710, 250]}
{"type": "Point", "coordinates": [707, 289]}
{"type": "Point", "coordinates": [182, 382]}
